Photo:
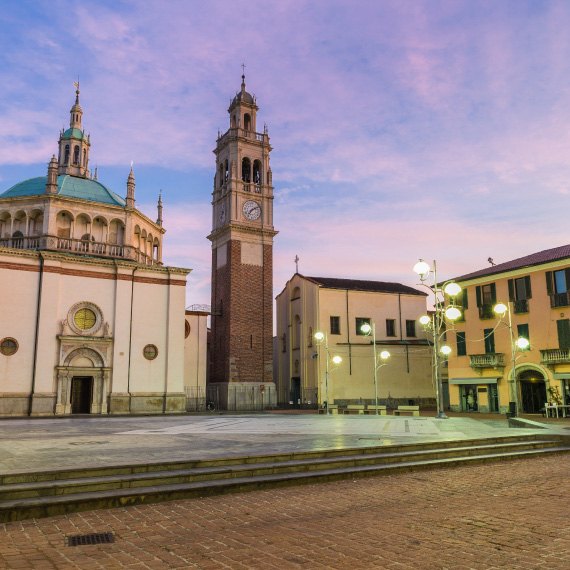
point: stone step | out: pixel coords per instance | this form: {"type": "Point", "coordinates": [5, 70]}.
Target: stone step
{"type": "Point", "coordinates": [37, 507]}
{"type": "Point", "coordinates": [195, 474]}
{"type": "Point", "coordinates": [71, 495]}
{"type": "Point", "coordinates": [86, 472]}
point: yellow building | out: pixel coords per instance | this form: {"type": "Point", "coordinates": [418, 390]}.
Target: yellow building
{"type": "Point", "coordinates": [536, 291]}
{"type": "Point", "coordinates": [339, 308]}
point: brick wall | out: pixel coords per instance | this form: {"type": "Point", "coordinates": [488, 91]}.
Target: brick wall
{"type": "Point", "coordinates": [242, 335]}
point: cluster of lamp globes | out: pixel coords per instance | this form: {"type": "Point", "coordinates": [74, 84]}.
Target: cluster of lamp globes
{"type": "Point", "coordinates": [452, 313]}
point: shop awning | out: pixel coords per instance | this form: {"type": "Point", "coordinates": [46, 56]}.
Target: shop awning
{"type": "Point", "coordinates": [477, 380]}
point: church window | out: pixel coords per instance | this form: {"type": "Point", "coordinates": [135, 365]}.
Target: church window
{"type": "Point", "coordinates": [297, 332]}
{"type": "Point", "coordinates": [150, 351]}
{"type": "Point", "coordinates": [8, 346]}
{"type": "Point", "coordinates": [246, 170]}
{"type": "Point", "coordinates": [84, 158]}
{"type": "Point", "coordinates": [18, 240]}
{"type": "Point", "coordinates": [247, 122]}
{"type": "Point", "coordinates": [84, 319]}
{"type": "Point", "coordinates": [227, 172]}
{"type": "Point", "coordinates": [76, 155]}
{"type": "Point", "coordinates": [66, 159]}
{"type": "Point", "coordinates": [221, 182]}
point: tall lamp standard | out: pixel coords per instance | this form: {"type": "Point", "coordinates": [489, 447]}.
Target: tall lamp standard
{"type": "Point", "coordinates": [368, 329]}
{"type": "Point", "coordinates": [322, 339]}
{"type": "Point", "coordinates": [436, 323]}
{"type": "Point", "coordinates": [520, 343]}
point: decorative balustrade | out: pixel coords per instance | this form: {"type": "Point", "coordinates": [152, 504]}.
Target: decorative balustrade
{"type": "Point", "coordinates": [78, 246]}
{"type": "Point", "coordinates": [235, 132]}
{"type": "Point", "coordinates": [555, 356]}
{"type": "Point", "coordinates": [493, 360]}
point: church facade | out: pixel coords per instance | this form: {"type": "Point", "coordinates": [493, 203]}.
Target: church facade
{"type": "Point", "coordinates": [92, 321]}
{"type": "Point", "coordinates": [242, 261]}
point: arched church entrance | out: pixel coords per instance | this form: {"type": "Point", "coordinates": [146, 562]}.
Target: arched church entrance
{"type": "Point", "coordinates": [83, 383]}
{"type": "Point", "coordinates": [533, 391]}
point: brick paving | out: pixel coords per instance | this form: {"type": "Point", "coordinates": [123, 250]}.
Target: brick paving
{"type": "Point", "coordinates": [505, 515]}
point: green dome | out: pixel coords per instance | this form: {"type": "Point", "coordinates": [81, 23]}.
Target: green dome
{"type": "Point", "coordinates": [67, 186]}
{"type": "Point", "coordinates": [74, 133]}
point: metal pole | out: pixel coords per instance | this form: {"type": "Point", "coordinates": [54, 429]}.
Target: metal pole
{"type": "Point", "coordinates": [327, 373]}
{"type": "Point", "coordinates": [375, 366]}
{"type": "Point", "coordinates": [514, 390]}
{"type": "Point", "coordinates": [438, 325]}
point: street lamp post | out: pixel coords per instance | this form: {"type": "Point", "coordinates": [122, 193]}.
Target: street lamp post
{"type": "Point", "coordinates": [367, 329]}
{"type": "Point", "coordinates": [322, 338]}
{"type": "Point", "coordinates": [437, 323]}
{"type": "Point", "coordinates": [522, 344]}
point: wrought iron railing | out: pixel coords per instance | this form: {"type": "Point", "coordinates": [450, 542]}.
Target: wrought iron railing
{"type": "Point", "coordinates": [521, 306]}
{"type": "Point", "coordinates": [560, 299]}
{"type": "Point", "coordinates": [486, 311]}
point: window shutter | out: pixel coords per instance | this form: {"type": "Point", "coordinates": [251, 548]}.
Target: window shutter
{"type": "Point", "coordinates": [511, 283]}
{"type": "Point", "coordinates": [493, 293]}
{"type": "Point", "coordinates": [465, 303]}
{"type": "Point", "coordinates": [563, 333]}
{"type": "Point", "coordinates": [567, 275]}
{"type": "Point", "coordinates": [478, 294]}
{"type": "Point", "coordinates": [549, 283]}
{"type": "Point", "coordinates": [527, 287]}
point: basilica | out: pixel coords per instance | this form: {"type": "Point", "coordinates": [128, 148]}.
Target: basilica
{"type": "Point", "coordinates": [92, 321]}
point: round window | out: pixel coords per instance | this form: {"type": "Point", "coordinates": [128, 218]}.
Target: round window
{"type": "Point", "coordinates": [8, 346]}
{"type": "Point", "coordinates": [150, 352]}
{"type": "Point", "coordinates": [84, 319]}
{"type": "Point", "coordinates": [186, 329]}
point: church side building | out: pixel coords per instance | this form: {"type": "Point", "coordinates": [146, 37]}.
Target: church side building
{"type": "Point", "coordinates": [242, 261]}
{"type": "Point", "coordinates": [92, 321]}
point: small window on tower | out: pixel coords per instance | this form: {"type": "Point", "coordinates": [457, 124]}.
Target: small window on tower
{"type": "Point", "coordinates": [66, 159]}
{"type": "Point", "coordinates": [76, 155]}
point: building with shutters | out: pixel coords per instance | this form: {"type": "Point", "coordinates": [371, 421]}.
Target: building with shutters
{"type": "Point", "coordinates": [487, 370]}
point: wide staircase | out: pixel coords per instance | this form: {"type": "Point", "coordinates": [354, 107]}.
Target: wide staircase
{"type": "Point", "coordinates": [49, 493]}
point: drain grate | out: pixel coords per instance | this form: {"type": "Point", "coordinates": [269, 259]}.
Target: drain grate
{"type": "Point", "coordinates": [95, 538]}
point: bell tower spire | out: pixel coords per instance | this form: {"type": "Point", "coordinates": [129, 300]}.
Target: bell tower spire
{"type": "Point", "coordinates": [242, 254]}
{"type": "Point", "coordinates": [74, 144]}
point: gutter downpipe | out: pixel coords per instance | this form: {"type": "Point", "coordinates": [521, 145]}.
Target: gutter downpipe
{"type": "Point", "coordinates": [131, 337]}
{"type": "Point", "coordinates": [37, 334]}
{"type": "Point", "coordinates": [167, 343]}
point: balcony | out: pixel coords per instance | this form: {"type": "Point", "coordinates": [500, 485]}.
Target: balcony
{"type": "Point", "coordinates": [492, 360]}
{"type": "Point", "coordinates": [239, 132]}
{"type": "Point", "coordinates": [521, 306]}
{"type": "Point", "coordinates": [486, 312]}
{"type": "Point", "coordinates": [555, 356]}
{"type": "Point", "coordinates": [81, 247]}
{"type": "Point", "coordinates": [560, 299]}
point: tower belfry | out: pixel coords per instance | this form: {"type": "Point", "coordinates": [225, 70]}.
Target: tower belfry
{"type": "Point", "coordinates": [242, 254]}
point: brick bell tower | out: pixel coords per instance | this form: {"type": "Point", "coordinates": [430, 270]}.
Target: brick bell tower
{"type": "Point", "coordinates": [242, 262]}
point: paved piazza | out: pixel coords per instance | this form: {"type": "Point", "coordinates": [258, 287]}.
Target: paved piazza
{"type": "Point", "coordinates": [507, 515]}
{"type": "Point", "coordinates": [34, 444]}
{"type": "Point", "coordinates": [510, 515]}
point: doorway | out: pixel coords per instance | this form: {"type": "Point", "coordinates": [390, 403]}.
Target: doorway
{"type": "Point", "coordinates": [81, 394]}
{"type": "Point", "coordinates": [533, 391]}
{"type": "Point", "coordinates": [296, 392]}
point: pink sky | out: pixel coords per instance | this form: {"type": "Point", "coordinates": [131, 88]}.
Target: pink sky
{"type": "Point", "coordinates": [401, 129]}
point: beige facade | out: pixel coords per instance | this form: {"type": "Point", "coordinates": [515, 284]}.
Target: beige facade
{"type": "Point", "coordinates": [195, 357]}
{"type": "Point", "coordinates": [338, 307]}
{"type": "Point", "coordinates": [486, 369]}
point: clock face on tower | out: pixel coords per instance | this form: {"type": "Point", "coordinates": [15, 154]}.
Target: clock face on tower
{"type": "Point", "coordinates": [251, 210]}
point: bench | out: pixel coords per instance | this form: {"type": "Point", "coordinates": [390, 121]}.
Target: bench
{"type": "Point", "coordinates": [354, 409]}
{"type": "Point", "coordinates": [413, 410]}
{"type": "Point", "coordinates": [372, 410]}
{"type": "Point", "coordinates": [333, 408]}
